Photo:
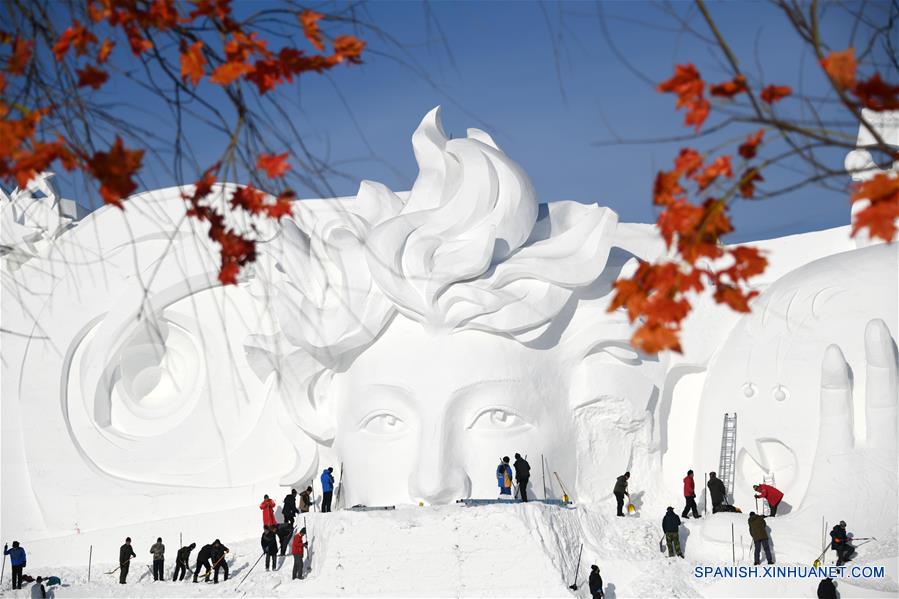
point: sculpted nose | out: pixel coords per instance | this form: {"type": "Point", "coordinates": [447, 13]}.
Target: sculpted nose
{"type": "Point", "coordinates": [438, 477]}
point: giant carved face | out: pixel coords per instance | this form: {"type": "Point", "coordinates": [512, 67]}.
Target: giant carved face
{"type": "Point", "coordinates": [425, 336]}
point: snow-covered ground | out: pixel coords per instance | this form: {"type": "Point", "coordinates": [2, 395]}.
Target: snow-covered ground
{"type": "Point", "coordinates": [512, 550]}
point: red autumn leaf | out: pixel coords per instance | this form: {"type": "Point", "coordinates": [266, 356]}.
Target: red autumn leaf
{"type": "Point", "coordinates": [274, 165]}
{"type": "Point", "coordinates": [115, 170]}
{"type": "Point", "coordinates": [214, 9]}
{"type": "Point", "coordinates": [283, 205]}
{"type": "Point", "coordinates": [748, 262]}
{"type": "Point", "coordinates": [720, 167]}
{"type": "Point", "coordinates": [678, 218]}
{"type": "Point", "coordinates": [667, 188]}
{"type": "Point", "coordinates": [192, 62]}
{"type": "Point", "coordinates": [879, 217]}
{"type": "Point", "coordinates": [139, 44]}
{"type": "Point", "coordinates": [76, 35]}
{"type": "Point", "coordinates": [309, 20]}
{"type": "Point", "coordinates": [249, 198]}
{"type": "Point", "coordinates": [688, 86]}
{"type": "Point", "coordinates": [749, 147]}
{"type": "Point", "coordinates": [653, 338]}
{"type": "Point", "coordinates": [266, 74]}
{"type": "Point", "coordinates": [877, 94]}
{"type": "Point", "coordinates": [105, 49]}
{"type": "Point", "coordinates": [748, 181]}
{"type": "Point", "coordinates": [688, 161]}
{"type": "Point", "coordinates": [91, 76]}
{"type": "Point", "coordinates": [840, 67]}
{"type": "Point", "coordinates": [229, 72]}
{"type": "Point", "coordinates": [775, 93]}
{"type": "Point", "coordinates": [228, 273]}
{"type": "Point", "coordinates": [39, 158]}
{"type": "Point", "coordinates": [20, 57]}
{"type": "Point", "coordinates": [348, 48]}
{"type": "Point", "coordinates": [737, 299]}
{"type": "Point", "coordinates": [729, 89]}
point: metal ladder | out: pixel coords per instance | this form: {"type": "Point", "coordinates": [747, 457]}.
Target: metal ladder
{"type": "Point", "coordinates": [768, 479]}
{"type": "Point", "coordinates": [727, 462]}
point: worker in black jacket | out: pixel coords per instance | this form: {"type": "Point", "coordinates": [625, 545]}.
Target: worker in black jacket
{"type": "Point", "coordinates": [839, 542]}
{"type": "Point", "coordinates": [671, 528]}
{"type": "Point", "coordinates": [717, 491]}
{"type": "Point", "coordinates": [203, 560]}
{"type": "Point", "coordinates": [269, 544]}
{"type": "Point", "coordinates": [289, 510]}
{"type": "Point", "coordinates": [522, 475]}
{"type": "Point", "coordinates": [595, 582]}
{"type": "Point", "coordinates": [182, 561]}
{"type": "Point", "coordinates": [126, 553]}
{"type": "Point", "coordinates": [217, 555]}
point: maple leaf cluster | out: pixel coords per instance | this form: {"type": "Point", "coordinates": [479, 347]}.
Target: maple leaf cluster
{"type": "Point", "coordinates": [657, 294]}
{"type": "Point", "coordinates": [873, 93]}
{"type": "Point", "coordinates": [27, 149]}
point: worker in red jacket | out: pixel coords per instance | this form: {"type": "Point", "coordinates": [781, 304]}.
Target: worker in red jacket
{"type": "Point", "coordinates": [296, 549]}
{"type": "Point", "coordinates": [772, 495]}
{"type": "Point", "coordinates": [268, 512]}
{"type": "Point", "coordinates": [690, 496]}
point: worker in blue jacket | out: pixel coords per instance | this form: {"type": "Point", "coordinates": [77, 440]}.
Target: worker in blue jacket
{"type": "Point", "coordinates": [17, 560]}
{"type": "Point", "coordinates": [504, 477]}
{"type": "Point", "coordinates": [327, 488]}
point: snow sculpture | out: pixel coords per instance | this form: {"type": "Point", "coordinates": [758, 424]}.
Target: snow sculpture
{"type": "Point", "coordinates": [424, 337]}
{"type": "Point", "coordinates": [31, 218]}
{"type": "Point", "coordinates": [126, 394]}
{"type": "Point", "coordinates": [769, 369]}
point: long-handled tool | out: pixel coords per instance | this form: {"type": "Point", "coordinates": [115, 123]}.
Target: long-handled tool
{"type": "Point", "coordinates": [3, 570]}
{"type": "Point", "coordinates": [577, 569]}
{"type": "Point", "coordinates": [120, 565]}
{"type": "Point", "coordinates": [817, 562]}
{"type": "Point", "coordinates": [565, 497]}
{"type": "Point", "coordinates": [251, 569]}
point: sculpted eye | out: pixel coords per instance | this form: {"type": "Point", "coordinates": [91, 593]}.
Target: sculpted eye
{"type": "Point", "coordinates": [383, 423]}
{"type": "Point", "coordinates": [498, 419]}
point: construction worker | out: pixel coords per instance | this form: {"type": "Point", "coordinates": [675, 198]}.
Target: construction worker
{"type": "Point", "coordinates": [218, 560]}
{"type": "Point", "coordinates": [620, 490]}
{"type": "Point", "coordinates": [17, 559]}
{"type": "Point", "coordinates": [771, 495]}
{"type": "Point", "coordinates": [839, 542]}
{"type": "Point", "coordinates": [717, 491]}
{"type": "Point", "coordinates": [595, 582]}
{"type": "Point", "coordinates": [327, 488]}
{"type": "Point", "coordinates": [269, 544]}
{"type": "Point", "coordinates": [203, 560]}
{"type": "Point", "coordinates": [671, 528]}
{"type": "Point", "coordinates": [758, 531]}
{"type": "Point", "coordinates": [289, 509]}
{"type": "Point", "coordinates": [126, 554]}
{"type": "Point", "coordinates": [268, 512]}
{"type": "Point", "coordinates": [306, 500]}
{"type": "Point", "coordinates": [297, 549]}
{"type": "Point", "coordinates": [504, 477]}
{"type": "Point", "coordinates": [690, 496]}
{"type": "Point", "coordinates": [522, 475]}
{"type": "Point", "coordinates": [158, 551]}
{"type": "Point", "coordinates": [182, 562]}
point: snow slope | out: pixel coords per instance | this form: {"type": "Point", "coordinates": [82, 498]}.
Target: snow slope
{"type": "Point", "coordinates": [493, 551]}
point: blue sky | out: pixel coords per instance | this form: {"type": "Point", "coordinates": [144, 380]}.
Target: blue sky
{"type": "Point", "coordinates": [544, 79]}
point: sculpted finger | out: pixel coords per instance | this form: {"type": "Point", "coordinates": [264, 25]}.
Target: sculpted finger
{"type": "Point", "coordinates": [835, 433]}
{"type": "Point", "coordinates": [881, 389]}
